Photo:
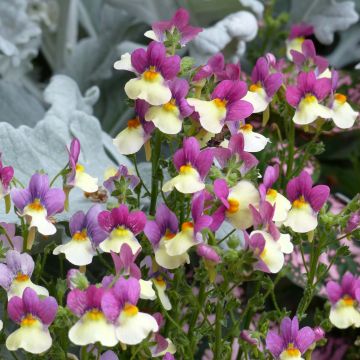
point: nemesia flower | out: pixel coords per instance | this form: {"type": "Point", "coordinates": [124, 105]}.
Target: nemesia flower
{"type": "Point", "coordinates": [306, 203]}
{"type": "Point", "coordinates": [296, 38]}
{"type": "Point", "coordinates": [161, 286]}
{"type": "Point", "coordinates": [343, 114]}
{"type": "Point", "coordinates": [163, 346]}
{"type": "Point", "coordinates": [282, 204]}
{"type": "Point", "coordinates": [39, 202]}
{"type": "Point", "coordinates": [153, 68]}
{"type": "Point", "coordinates": [264, 85]}
{"type": "Point", "coordinates": [292, 342]}
{"type": "Point", "coordinates": [178, 24]}
{"type": "Point", "coordinates": [271, 245]}
{"type": "Point", "coordinates": [168, 356]}
{"type": "Point", "coordinates": [305, 98]}
{"type": "Point", "coordinates": [226, 104]}
{"type": "Point", "coordinates": [75, 279]}
{"type": "Point", "coordinates": [137, 133]}
{"type": "Point", "coordinates": [121, 173]}
{"type": "Point", "coordinates": [344, 298]}
{"type": "Point", "coordinates": [93, 325]}
{"type": "Point", "coordinates": [109, 355]}
{"type": "Point", "coordinates": [17, 241]}
{"type": "Point", "coordinates": [78, 177]}
{"type": "Point", "coordinates": [193, 166]}
{"type": "Point", "coordinates": [34, 316]}
{"type": "Point", "coordinates": [6, 175]}
{"type": "Point", "coordinates": [168, 117]}
{"type": "Point", "coordinates": [119, 304]}
{"type": "Point", "coordinates": [235, 204]}
{"type": "Point", "coordinates": [190, 233]}
{"type": "Point", "coordinates": [121, 226]}
{"type": "Point", "coordinates": [86, 234]}
{"type": "Point", "coordinates": [16, 273]}
{"type": "Point", "coordinates": [159, 232]}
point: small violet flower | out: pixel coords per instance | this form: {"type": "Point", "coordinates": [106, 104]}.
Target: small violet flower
{"type": "Point", "coordinates": [264, 85]}
{"type": "Point", "coordinates": [297, 35]}
{"type": "Point", "coordinates": [113, 175]}
{"type": "Point", "coordinates": [6, 175]}
{"type": "Point", "coordinates": [16, 241]}
{"type": "Point", "coordinates": [345, 299]}
{"type": "Point", "coordinates": [86, 234]}
{"type": "Point", "coordinates": [39, 202]}
{"type": "Point", "coordinates": [153, 68]}
{"type": "Point", "coordinates": [15, 274]}
{"type": "Point", "coordinates": [121, 227]}
{"type": "Point", "coordinates": [292, 342]}
{"type": "Point", "coordinates": [163, 346]}
{"type": "Point", "coordinates": [34, 316]}
{"type": "Point", "coordinates": [306, 203]}
{"type": "Point", "coordinates": [193, 166]}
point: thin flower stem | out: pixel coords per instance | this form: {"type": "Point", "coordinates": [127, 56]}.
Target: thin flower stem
{"type": "Point", "coordinates": [218, 332]}
{"type": "Point", "coordinates": [155, 157]}
{"type": "Point", "coordinates": [7, 236]}
{"type": "Point", "coordinates": [347, 234]}
{"type": "Point", "coordinates": [303, 258]}
{"type": "Point", "coordinates": [225, 237]}
{"type": "Point", "coordinates": [139, 176]}
{"type": "Point", "coordinates": [58, 174]}
{"type": "Point", "coordinates": [291, 150]}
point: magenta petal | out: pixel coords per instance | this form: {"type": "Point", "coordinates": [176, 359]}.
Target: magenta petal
{"type": "Point", "coordinates": [221, 189]}
{"type": "Point", "coordinates": [270, 176]}
{"type": "Point", "coordinates": [75, 150]}
{"type": "Point", "coordinates": [298, 57]}
{"type": "Point", "coordinates": [139, 60]}
{"type": "Point", "coordinates": [305, 337]}
{"type": "Point", "coordinates": [110, 306]}
{"type": "Point", "coordinates": [202, 222]}
{"type": "Point", "coordinates": [179, 158]}
{"type": "Point", "coordinates": [294, 328]}
{"type": "Point", "coordinates": [47, 310]}
{"type": "Point", "coordinates": [15, 309]}
{"type": "Point", "coordinates": [274, 343]}
{"type": "Point", "coordinates": [127, 290]}
{"type": "Point", "coordinates": [308, 49]}
{"type": "Point", "coordinates": [348, 283]}
{"type": "Point", "coordinates": [170, 67]}
{"type": "Point", "coordinates": [31, 301]}
{"type": "Point", "coordinates": [156, 54]}
{"type": "Point", "coordinates": [189, 33]}
{"type": "Point", "coordinates": [322, 88]}
{"type": "Point", "coordinates": [208, 253]}
{"type": "Point", "coordinates": [191, 148]}
{"type": "Point", "coordinates": [204, 161]}
{"type": "Point", "coordinates": [293, 95]}
{"type": "Point", "coordinates": [161, 343]}
{"type": "Point", "coordinates": [21, 198]}
{"type": "Point", "coordinates": [6, 175]}
{"type": "Point", "coordinates": [260, 71]}
{"type": "Point", "coordinates": [267, 211]}
{"type": "Point", "coordinates": [120, 215]}
{"type": "Point", "coordinates": [179, 88]}
{"type": "Point", "coordinates": [217, 62]}
{"type": "Point", "coordinates": [257, 219]}
{"type": "Point", "coordinates": [218, 217]}
{"type": "Point", "coordinates": [304, 183]}
{"type": "Point", "coordinates": [106, 221]}
{"type": "Point", "coordinates": [239, 110]}
{"type": "Point", "coordinates": [257, 242]}
{"type": "Point", "coordinates": [334, 291]}
{"type": "Point", "coordinates": [136, 221]}
{"type": "Point", "coordinates": [222, 155]}
{"type": "Point", "coordinates": [180, 18]}
{"type": "Point", "coordinates": [321, 64]}
{"type": "Point", "coordinates": [306, 81]}
{"type": "Point", "coordinates": [152, 232]}
{"type": "Point", "coordinates": [292, 189]}
{"type": "Point", "coordinates": [272, 84]}
{"type": "Point", "coordinates": [318, 196]}
{"type": "Point", "coordinates": [77, 302]}
{"type": "Point", "coordinates": [249, 161]}
{"type": "Point", "coordinates": [236, 144]}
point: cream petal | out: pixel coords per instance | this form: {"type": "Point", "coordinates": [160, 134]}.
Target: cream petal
{"type": "Point", "coordinates": [258, 99]}
{"type": "Point", "coordinates": [154, 92]}
{"type": "Point", "coordinates": [130, 140]}
{"type": "Point", "coordinates": [109, 172]}
{"type": "Point", "coordinates": [146, 290]}
{"type": "Point", "coordinates": [285, 244]}
{"type": "Point", "coordinates": [124, 63]}
{"type": "Point", "coordinates": [254, 142]}
{"type": "Point", "coordinates": [170, 349]}
{"type": "Point", "coordinates": [87, 331]}
{"type": "Point", "coordinates": [17, 288]}
{"type": "Point", "coordinates": [294, 44]}
{"type": "Point", "coordinates": [150, 34]}
{"type": "Point", "coordinates": [79, 253]}
{"type": "Point", "coordinates": [40, 221]}
{"type": "Point", "coordinates": [166, 121]}
{"type": "Point", "coordinates": [301, 220]}
{"type": "Point", "coordinates": [282, 206]}
{"type": "Point", "coordinates": [34, 339]}
{"type": "Point", "coordinates": [114, 242]}
{"type": "Point", "coordinates": [1, 325]}
{"type": "Point", "coordinates": [180, 243]}
{"type": "Point", "coordinates": [211, 116]}
{"type": "Point", "coordinates": [285, 356]}
{"type": "Point", "coordinates": [85, 182]}
{"type": "Point", "coordinates": [325, 74]}
{"type": "Point", "coordinates": [169, 262]}
{"type": "Point", "coordinates": [343, 115]}
{"type": "Point", "coordinates": [135, 328]}
{"type": "Point", "coordinates": [188, 183]}
{"type": "Point", "coordinates": [308, 112]}
{"type": "Point", "coordinates": [344, 316]}
{"type": "Point", "coordinates": [164, 299]}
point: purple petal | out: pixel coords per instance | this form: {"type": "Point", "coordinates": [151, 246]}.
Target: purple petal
{"type": "Point", "coordinates": [236, 144]}
{"type": "Point", "coordinates": [77, 222]}
{"type": "Point", "coordinates": [31, 301]}
{"type": "Point", "coordinates": [179, 88]}
{"type": "Point", "coordinates": [318, 196]}
{"type": "Point", "coordinates": [189, 33]}
{"type": "Point", "coordinates": [285, 330]}
{"type": "Point", "coordinates": [77, 302]}
{"type": "Point", "coordinates": [185, 108]}
{"type": "Point", "coordinates": [204, 161]}
{"type": "Point", "coordinates": [191, 148]}
{"type": "Point", "coordinates": [161, 343]}
{"type": "Point", "coordinates": [334, 291]}
{"type": "Point", "coordinates": [304, 339]}
{"type": "Point", "coordinates": [15, 309]}
{"type": "Point", "coordinates": [308, 49]}
{"type": "Point", "coordinates": [21, 198]}
{"type": "Point", "coordinates": [249, 161]}
{"type": "Point", "coordinates": [293, 95]}
{"type": "Point", "coordinates": [135, 272]}
{"type": "Point", "coordinates": [230, 90]}
{"type": "Point", "coordinates": [298, 57]}
{"type": "Point", "coordinates": [274, 343]}
{"type": "Point", "coordinates": [217, 62]}
{"type": "Point", "coordinates": [106, 221]}
{"type": "Point", "coordinates": [111, 306]}
{"type": "Point", "coordinates": [6, 277]}
{"type": "Point", "coordinates": [94, 295]}
{"type": "Point", "coordinates": [292, 189]}
{"type": "Point", "coordinates": [120, 215]}
{"type": "Point", "coordinates": [75, 150]}
{"type": "Point", "coordinates": [301, 30]}
{"type": "Point", "coordinates": [208, 253]}
{"type": "Point", "coordinates": [222, 155]}
{"type": "Point", "coordinates": [322, 88]}
{"type": "Point", "coordinates": [257, 242]}
{"type": "Point", "coordinates": [267, 211]}
{"type": "Point", "coordinates": [294, 328]}
{"type": "Point", "coordinates": [305, 183]}
{"type": "Point", "coordinates": [260, 71]}
{"type": "Point", "coordinates": [109, 355]}
{"type": "Point", "coordinates": [126, 256]}
{"type": "Point", "coordinates": [54, 201]}
{"type": "Point", "coordinates": [141, 107]}
{"type": "Point", "coordinates": [202, 222]}
{"type": "Point", "coordinates": [17, 262]}
{"type": "Point", "coordinates": [6, 175]}
{"type": "Point", "coordinates": [272, 84]}
{"type": "Point", "coordinates": [348, 283]}
{"type": "Point", "coordinates": [39, 186]}
{"type": "Point", "coordinates": [270, 176]}
{"type": "Point", "coordinates": [47, 310]}
{"type": "Point", "coordinates": [95, 232]}
{"type": "Point", "coordinates": [221, 189]}
{"type": "Point", "coordinates": [321, 64]}
{"type": "Point", "coordinates": [180, 18]}
{"type": "Point", "coordinates": [170, 67]}
{"type": "Point", "coordinates": [139, 60]}
{"type": "Point", "coordinates": [179, 159]}
{"type": "Point", "coordinates": [152, 232]}
{"type": "Point", "coordinates": [136, 221]}
{"type": "Point", "coordinates": [218, 217]}
{"type": "Point", "coordinates": [197, 205]}
{"type": "Point", "coordinates": [239, 110]}
{"type": "Point", "coordinates": [127, 290]}
{"type": "Point", "coordinates": [306, 82]}
{"type": "Point", "coordinates": [257, 219]}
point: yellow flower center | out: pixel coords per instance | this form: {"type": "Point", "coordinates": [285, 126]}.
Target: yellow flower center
{"type": "Point", "coordinates": [170, 106]}
{"type": "Point", "coordinates": [160, 281]}
{"type": "Point", "coordinates": [220, 103]}
{"type": "Point", "coordinates": [234, 206]}
{"type": "Point", "coordinates": [36, 205]}
{"type": "Point", "coordinates": [133, 123]}
{"type": "Point", "coordinates": [246, 128]}
{"type": "Point", "coordinates": [292, 351]}
{"type": "Point", "coordinates": [80, 168]}
{"type": "Point", "coordinates": [151, 74]}
{"type": "Point", "coordinates": [28, 320]}
{"type": "Point", "coordinates": [130, 309]}
{"type": "Point", "coordinates": [21, 277]}
{"type": "Point", "coordinates": [80, 235]}
{"type": "Point", "coordinates": [310, 98]}
{"type": "Point", "coordinates": [169, 235]}
{"type": "Point", "coordinates": [347, 301]}
{"type": "Point", "coordinates": [119, 232]}
{"type": "Point", "coordinates": [255, 87]}
{"type": "Point", "coordinates": [340, 98]}
{"type": "Point", "coordinates": [95, 314]}
{"type": "Point", "coordinates": [185, 169]}
{"type": "Point", "coordinates": [187, 226]}
{"type": "Point", "coordinates": [299, 203]}
{"type": "Point", "coordinates": [271, 193]}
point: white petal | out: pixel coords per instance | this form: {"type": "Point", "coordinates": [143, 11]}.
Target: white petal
{"type": "Point", "coordinates": [1, 325]}
{"type": "Point", "coordinates": [258, 99]}
{"type": "Point", "coordinates": [166, 121]}
{"type": "Point", "coordinates": [186, 183]}
{"type": "Point", "coordinates": [146, 290]}
{"type": "Point", "coordinates": [134, 329]}
{"type": "Point", "coordinates": [150, 34]}
{"type": "Point", "coordinates": [301, 220]}
{"type": "Point", "coordinates": [308, 112]}
{"type": "Point", "coordinates": [87, 331]}
{"type": "Point", "coordinates": [85, 182]}
{"type": "Point", "coordinates": [17, 288]}
{"type": "Point", "coordinates": [169, 262]}
{"type": "Point", "coordinates": [130, 140]}
{"type": "Point", "coordinates": [325, 74]}
{"type": "Point", "coordinates": [211, 116]}
{"type": "Point", "coordinates": [40, 221]}
{"type": "Point", "coordinates": [282, 206]}
{"type": "Point", "coordinates": [344, 316]}
{"type": "Point", "coordinates": [115, 241]}
{"type": "Point", "coordinates": [254, 142]}
{"type": "Point", "coordinates": [164, 299]}
{"type": "Point", "coordinates": [34, 339]}
{"type": "Point", "coordinates": [124, 63]}
{"type": "Point", "coordinates": [285, 244]}
{"type": "Point", "coordinates": [154, 92]}
{"type": "Point", "coordinates": [294, 44]}
{"type": "Point", "coordinates": [285, 356]}
{"type": "Point", "coordinates": [343, 115]}
{"type": "Point", "coordinates": [78, 253]}
{"type": "Point", "coordinates": [180, 243]}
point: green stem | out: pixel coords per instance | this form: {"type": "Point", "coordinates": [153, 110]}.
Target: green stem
{"type": "Point", "coordinates": [84, 353]}
{"type": "Point", "coordinates": [7, 236]}
{"type": "Point", "coordinates": [138, 174]}
{"type": "Point", "coordinates": [155, 156]}
{"type": "Point", "coordinates": [226, 236]}
{"type": "Point", "coordinates": [58, 174]}
{"type": "Point", "coordinates": [218, 332]}
{"type": "Point", "coordinates": [291, 149]}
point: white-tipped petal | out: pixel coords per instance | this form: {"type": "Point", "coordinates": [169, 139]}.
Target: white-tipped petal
{"type": "Point", "coordinates": [343, 316]}
{"type": "Point", "coordinates": [130, 140]}
{"type": "Point", "coordinates": [258, 99]}
{"type": "Point", "coordinates": [40, 221]}
{"type": "Point", "coordinates": [290, 356]}
{"type": "Point", "coordinates": [211, 116]}
{"type": "Point", "coordinates": [18, 286]}
{"type": "Point", "coordinates": [301, 220]}
{"type": "Point", "coordinates": [167, 121]}
{"type": "Point", "coordinates": [343, 115]}
{"type": "Point", "coordinates": [150, 34]}
{"type": "Point", "coordinates": [308, 111]}
{"type": "Point", "coordinates": [117, 238]}
{"type": "Point", "coordinates": [282, 206]}
{"type": "Point", "coordinates": [180, 243]}
{"type": "Point", "coordinates": [187, 182]}
{"type": "Point", "coordinates": [124, 63]}
{"type": "Point", "coordinates": [133, 329]}
{"type": "Point", "coordinates": [85, 182]}
{"type": "Point", "coordinates": [161, 290]}
{"type": "Point", "coordinates": [325, 74]}
{"type": "Point", "coordinates": [34, 339]}
{"type": "Point", "coordinates": [169, 262]}
{"type": "Point", "coordinates": [146, 290]}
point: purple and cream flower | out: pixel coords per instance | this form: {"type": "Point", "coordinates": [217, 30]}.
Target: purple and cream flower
{"type": "Point", "coordinates": [121, 227]}
{"type": "Point", "coordinates": [291, 342]}
{"type": "Point", "coordinates": [159, 232]}
{"type": "Point", "coordinates": [168, 118]}
{"type": "Point", "coordinates": [345, 299]}
{"type": "Point", "coordinates": [297, 36]}
{"type": "Point", "coordinates": [15, 274]}
{"type": "Point", "coordinates": [270, 249]}
{"type": "Point", "coordinates": [305, 98]}
{"type": "Point", "coordinates": [306, 203]}
{"type": "Point", "coordinates": [86, 234]}
{"type": "Point", "coordinates": [264, 85]}
{"type": "Point", "coordinates": [235, 203]}
{"type": "Point", "coordinates": [10, 240]}
{"type": "Point", "coordinates": [163, 346]}
{"type": "Point", "coordinates": [179, 23]}
{"type": "Point", "coordinates": [226, 104]}
{"type": "Point", "coordinates": [343, 115]}
{"type": "Point", "coordinates": [114, 175]}
{"type": "Point", "coordinates": [6, 175]}
{"type": "Point", "coordinates": [119, 305]}
{"type": "Point", "coordinates": [190, 233]}
{"type": "Point", "coordinates": [94, 325]}
{"type": "Point", "coordinates": [34, 316]}
{"type": "Point", "coordinates": [281, 203]}
{"type": "Point", "coordinates": [39, 202]}
{"type": "Point", "coordinates": [137, 132]}
{"type": "Point", "coordinates": [153, 69]}
{"type": "Point", "coordinates": [77, 176]}
{"type": "Point", "coordinates": [193, 165]}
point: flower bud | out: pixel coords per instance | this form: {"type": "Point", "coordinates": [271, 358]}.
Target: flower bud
{"type": "Point", "coordinates": [353, 222]}
{"type": "Point", "coordinates": [319, 333]}
{"type": "Point", "coordinates": [76, 280]}
{"type": "Point", "coordinates": [270, 59]}
{"type": "Point", "coordinates": [208, 253]}
{"type": "Point", "coordinates": [246, 336]}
